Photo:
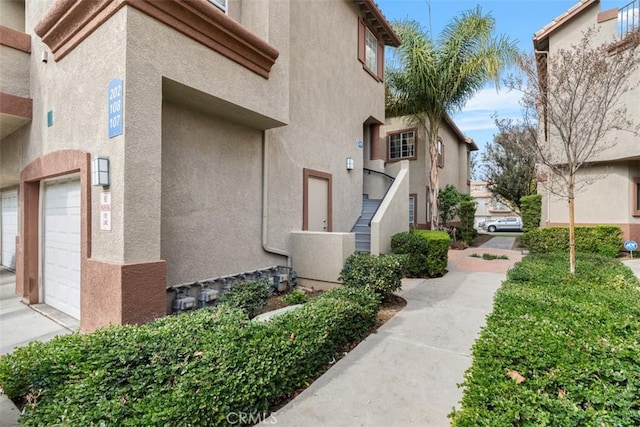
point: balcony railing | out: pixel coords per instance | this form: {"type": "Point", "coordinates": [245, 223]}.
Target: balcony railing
{"type": "Point", "coordinates": [628, 18]}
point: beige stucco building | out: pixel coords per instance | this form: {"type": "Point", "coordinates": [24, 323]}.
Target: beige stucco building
{"type": "Point", "coordinates": [401, 140]}
{"type": "Point", "coordinates": [614, 198]}
{"type": "Point", "coordinates": [488, 207]}
{"type": "Point", "coordinates": [228, 125]}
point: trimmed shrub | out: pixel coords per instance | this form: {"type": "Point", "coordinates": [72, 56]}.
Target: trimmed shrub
{"type": "Point", "coordinates": [437, 251]}
{"type": "Point", "coordinates": [467, 213]}
{"type": "Point", "coordinates": [295, 297]}
{"type": "Point", "coordinates": [248, 296]}
{"type": "Point", "coordinates": [558, 349]}
{"type": "Point", "coordinates": [191, 369]}
{"type": "Point", "coordinates": [414, 247]}
{"type": "Point", "coordinates": [531, 211]}
{"type": "Point", "coordinates": [380, 274]}
{"type": "Point", "coordinates": [448, 199]}
{"type": "Point", "coordinates": [600, 239]}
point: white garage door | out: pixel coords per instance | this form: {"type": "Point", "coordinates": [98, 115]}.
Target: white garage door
{"type": "Point", "coordinates": [9, 208]}
{"type": "Point", "coordinates": [61, 245]}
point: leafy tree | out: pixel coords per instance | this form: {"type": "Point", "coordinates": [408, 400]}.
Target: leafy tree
{"type": "Point", "coordinates": [578, 94]}
{"type": "Point", "coordinates": [509, 163]}
{"type": "Point", "coordinates": [433, 78]}
{"type": "Point", "coordinates": [448, 200]}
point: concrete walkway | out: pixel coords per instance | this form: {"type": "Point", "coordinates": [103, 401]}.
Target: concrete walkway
{"type": "Point", "coordinates": [407, 373]}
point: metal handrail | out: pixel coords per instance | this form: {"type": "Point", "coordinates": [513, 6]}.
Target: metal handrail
{"type": "Point", "coordinates": [385, 193]}
{"type": "Point", "coordinates": [628, 18]}
{"type": "Point", "coordinates": [378, 172]}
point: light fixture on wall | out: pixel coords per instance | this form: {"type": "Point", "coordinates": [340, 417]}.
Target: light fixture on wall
{"type": "Point", "coordinates": [349, 163]}
{"type": "Point", "coordinates": [100, 171]}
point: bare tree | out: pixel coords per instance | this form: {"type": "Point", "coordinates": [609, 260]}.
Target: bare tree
{"type": "Point", "coordinates": [577, 96]}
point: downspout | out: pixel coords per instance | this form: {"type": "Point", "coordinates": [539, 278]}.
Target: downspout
{"type": "Point", "coordinates": [265, 202]}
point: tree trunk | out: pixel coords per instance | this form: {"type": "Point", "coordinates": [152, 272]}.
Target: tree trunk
{"type": "Point", "coordinates": [572, 228]}
{"type": "Point", "coordinates": [433, 172]}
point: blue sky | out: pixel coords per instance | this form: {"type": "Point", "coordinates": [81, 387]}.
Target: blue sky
{"type": "Point", "coordinates": [519, 19]}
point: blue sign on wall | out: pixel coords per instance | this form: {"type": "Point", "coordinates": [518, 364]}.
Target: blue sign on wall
{"type": "Point", "coordinates": [630, 245]}
{"type": "Point", "coordinates": [116, 108]}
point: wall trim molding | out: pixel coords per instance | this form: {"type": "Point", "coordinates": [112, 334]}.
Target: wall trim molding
{"type": "Point", "coordinates": [69, 22]}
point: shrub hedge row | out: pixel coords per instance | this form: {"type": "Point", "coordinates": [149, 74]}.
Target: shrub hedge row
{"type": "Point", "coordinates": [600, 239]}
{"type": "Point", "coordinates": [558, 349]}
{"type": "Point", "coordinates": [426, 255]}
{"type": "Point", "coordinates": [191, 369]}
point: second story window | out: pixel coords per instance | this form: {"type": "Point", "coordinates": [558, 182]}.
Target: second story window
{"type": "Point", "coordinates": [221, 4]}
{"type": "Point", "coordinates": [402, 145]}
{"type": "Point", "coordinates": [370, 51]}
{"type": "Point", "coordinates": [440, 153]}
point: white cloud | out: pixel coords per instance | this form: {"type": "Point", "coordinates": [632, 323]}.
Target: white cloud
{"type": "Point", "coordinates": [488, 99]}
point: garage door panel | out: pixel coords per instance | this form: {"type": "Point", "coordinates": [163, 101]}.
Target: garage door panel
{"type": "Point", "coordinates": [61, 244]}
{"type": "Point", "coordinates": [9, 229]}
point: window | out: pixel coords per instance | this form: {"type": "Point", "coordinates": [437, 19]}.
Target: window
{"type": "Point", "coordinates": [412, 208]}
{"type": "Point", "coordinates": [402, 145]}
{"type": "Point", "coordinates": [370, 51]}
{"type": "Point", "coordinates": [221, 4]}
{"type": "Point", "coordinates": [440, 153]}
{"type": "Point", "coordinates": [635, 196]}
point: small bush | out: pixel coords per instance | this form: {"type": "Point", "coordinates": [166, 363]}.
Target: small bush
{"type": "Point", "coordinates": [295, 297]}
{"type": "Point", "coordinates": [600, 239]}
{"type": "Point", "coordinates": [448, 199]}
{"type": "Point", "coordinates": [558, 349]}
{"type": "Point", "coordinates": [467, 212]}
{"type": "Point", "coordinates": [531, 211]}
{"type": "Point", "coordinates": [437, 251]}
{"type": "Point", "coordinates": [248, 296]}
{"type": "Point", "coordinates": [191, 369]}
{"type": "Point", "coordinates": [414, 247]}
{"type": "Point", "coordinates": [380, 274]}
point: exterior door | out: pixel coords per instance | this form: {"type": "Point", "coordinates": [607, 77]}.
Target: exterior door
{"type": "Point", "coordinates": [317, 201]}
{"type": "Point", "coordinates": [61, 245]}
{"type": "Point", "coordinates": [9, 230]}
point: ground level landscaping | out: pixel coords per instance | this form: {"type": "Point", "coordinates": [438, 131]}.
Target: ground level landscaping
{"type": "Point", "coordinates": [558, 349]}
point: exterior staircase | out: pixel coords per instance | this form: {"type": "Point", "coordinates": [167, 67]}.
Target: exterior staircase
{"type": "Point", "coordinates": [362, 228]}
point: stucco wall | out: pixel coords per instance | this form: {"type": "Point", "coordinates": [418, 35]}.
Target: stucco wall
{"type": "Point", "coordinates": [454, 172]}
{"type": "Point", "coordinates": [597, 203]}
{"type": "Point", "coordinates": [14, 71]}
{"type": "Point", "coordinates": [12, 14]}
{"type": "Point", "coordinates": [392, 215]}
{"type": "Point", "coordinates": [331, 98]}
{"type": "Point", "coordinates": [211, 197]}
{"type": "Point", "coordinates": [622, 144]}
{"type": "Point", "coordinates": [319, 257]}
{"type": "Point", "coordinates": [12, 157]}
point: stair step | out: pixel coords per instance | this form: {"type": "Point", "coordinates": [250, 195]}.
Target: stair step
{"type": "Point", "coordinates": [361, 228]}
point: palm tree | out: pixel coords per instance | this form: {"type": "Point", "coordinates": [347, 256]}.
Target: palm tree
{"type": "Point", "coordinates": [432, 79]}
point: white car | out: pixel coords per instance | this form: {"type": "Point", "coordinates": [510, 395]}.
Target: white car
{"type": "Point", "coordinates": [511, 223]}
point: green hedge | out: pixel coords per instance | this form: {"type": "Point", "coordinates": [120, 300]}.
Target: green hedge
{"type": "Point", "coordinates": [380, 274]}
{"type": "Point", "coordinates": [425, 252]}
{"type": "Point", "coordinates": [531, 211]}
{"type": "Point", "coordinates": [600, 239]}
{"type": "Point", "coordinates": [191, 369]}
{"type": "Point", "coordinates": [573, 340]}
{"type": "Point", "coordinates": [438, 243]}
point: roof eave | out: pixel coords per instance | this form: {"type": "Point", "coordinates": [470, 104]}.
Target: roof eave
{"type": "Point", "coordinates": [374, 15]}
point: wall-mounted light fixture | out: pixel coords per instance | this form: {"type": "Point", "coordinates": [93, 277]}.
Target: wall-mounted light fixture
{"type": "Point", "coordinates": [349, 163]}
{"type": "Point", "coordinates": [100, 171]}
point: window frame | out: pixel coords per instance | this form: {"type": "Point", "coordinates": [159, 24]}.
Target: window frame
{"type": "Point", "coordinates": [440, 148]}
{"type": "Point", "coordinates": [414, 221]}
{"type": "Point", "coordinates": [223, 5]}
{"type": "Point", "coordinates": [415, 145]}
{"type": "Point", "coordinates": [635, 188]}
{"type": "Point", "coordinates": [363, 31]}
